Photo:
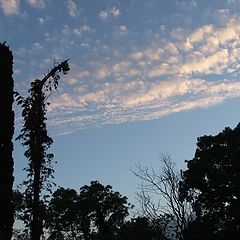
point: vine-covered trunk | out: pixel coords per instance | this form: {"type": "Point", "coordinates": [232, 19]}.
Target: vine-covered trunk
{"type": "Point", "coordinates": [37, 221]}
{"type": "Point", "coordinates": [6, 145]}
{"type": "Point", "coordinates": [35, 137]}
{"type": "Point", "coordinates": [37, 154]}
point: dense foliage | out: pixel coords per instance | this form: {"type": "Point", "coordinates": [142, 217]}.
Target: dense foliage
{"type": "Point", "coordinates": [97, 212]}
{"type": "Point", "coordinates": [212, 185]}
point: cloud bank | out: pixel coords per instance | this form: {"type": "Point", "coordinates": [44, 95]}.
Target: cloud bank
{"type": "Point", "coordinates": [195, 70]}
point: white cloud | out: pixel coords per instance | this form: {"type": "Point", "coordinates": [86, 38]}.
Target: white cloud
{"type": "Point", "coordinates": [153, 54]}
{"type": "Point", "coordinates": [83, 74]}
{"type": "Point", "coordinates": [79, 31]}
{"type": "Point", "coordinates": [121, 30]}
{"type": "Point", "coordinates": [164, 76]}
{"type": "Point", "coordinates": [136, 55]}
{"type": "Point", "coordinates": [114, 103]}
{"type": "Point", "coordinates": [101, 73]}
{"type": "Point", "coordinates": [207, 64]}
{"type": "Point", "coordinates": [103, 15]}
{"type": "Point", "coordinates": [37, 3]}
{"type": "Point", "coordinates": [160, 70]}
{"type": "Point", "coordinates": [171, 48]}
{"type": "Point", "coordinates": [72, 8]}
{"type": "Point", "coordinates": [200, 33]}
{"type": "Point", "coordinates": [41, 20]}
{"type": "Point", "coordinates": [37, 46]}
{"type": "Point", "coordinates": [186, 5]}
{"type": "Point", "coordinates": [113, 12]}
{"type": "Point", "coordinates": [121, 67]}
{"type": "Point", "coordinates": [10, 7]}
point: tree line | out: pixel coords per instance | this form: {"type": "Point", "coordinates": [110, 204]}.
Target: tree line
{"type": "Point", "coordinates": [200, 202]}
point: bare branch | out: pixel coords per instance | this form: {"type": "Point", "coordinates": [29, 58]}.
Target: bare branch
{"type": "Point", "coordinates": [159, 193]}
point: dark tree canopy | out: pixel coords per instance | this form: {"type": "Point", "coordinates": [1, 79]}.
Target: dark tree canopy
{"type": "Point", "coordinates": [142, 228]}
{"type": "Point", "coordinates": [97, 212]}
{"type": "Point", "coordinates": [6, 145]}
{"type": "Point", "coordinates": [212, 184]}
{"type": "Point", "coordinates": [64, 217]}
{"type": "Point", "coordinates": [107, 208]}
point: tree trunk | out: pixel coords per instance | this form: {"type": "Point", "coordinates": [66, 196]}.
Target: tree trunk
{"type": "Point", "coordinates": [6, 145]}
{"type": "Point", "coordinates": [37, 160]}
{"type": "Point", "coordinates": [37, 221]}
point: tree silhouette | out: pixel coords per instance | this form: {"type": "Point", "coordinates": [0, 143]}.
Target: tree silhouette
{"type": "Point", "coordinates": [212, 184]}
{"type": "Point", "coordinates": [6, 145]}
{"type": "Point", "coordinates": [163, 186]}
{"type": "Point", "coordinates": [65, 218]}
{"type": "Point", "coordinates": [142, 228]}
{"type": "Point", "coordinates": [97, 212]}
{"type": "Point", "coordinates": [35, 138]}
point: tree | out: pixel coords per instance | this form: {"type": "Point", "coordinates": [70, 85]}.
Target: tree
{"type": "Point", "coordinates": [141, 228]}
{"type": "Point", "coordinates": [211, 184]}
{"type": "Point", "coordinates": [6, 145]}
{"type": "Point", "coordinates": [163, 186]}
{"type": "Point", "coordinates": [97, 212]}
{"type": "Point", "coordinates": [107, 209]}
{"type": "Point", "coordinates": [35, 137]}
{"type": "Point", "coordinates": [65, 219]}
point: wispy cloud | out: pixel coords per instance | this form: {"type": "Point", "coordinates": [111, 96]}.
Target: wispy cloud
{"type": "Point", "coordinates": [120, 103]}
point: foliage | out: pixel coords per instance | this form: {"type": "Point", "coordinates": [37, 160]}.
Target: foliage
{"type": "Point", "coordinates": [35, 138]}
{"type": "Point", "coordinates": [142, 228]}
{"type": "Point", "coordinates": [64, 217]}
{"type": "Point", "coordinates": [6, 145]}
{"type": "Point", "coordinates": [211, 184]}
{"type": "Point", "coordinates": [97, 212]}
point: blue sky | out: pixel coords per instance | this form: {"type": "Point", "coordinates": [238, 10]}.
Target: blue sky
{"type": "Point", "coordinates": [147, 77]}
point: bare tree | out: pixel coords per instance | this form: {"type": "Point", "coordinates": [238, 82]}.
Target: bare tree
{"type": "Point", "coordinates": [159, 194]}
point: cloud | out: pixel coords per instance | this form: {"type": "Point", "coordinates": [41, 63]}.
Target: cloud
{"type": "Point", "coordinates": [101, 72]}
{"type": "Point", "coordinates": [37, 46]}
{"type": "Point", "coordinates": [121, 30]}
{"type": "Point", "coordinates": [79, 31]}
{"type": "Point", "coordinates": [116, 103]}
{"type": "Point", "coordinates": [37, 3]}
{"type": "Point", "coordinates": [10, 7]}
{"type": "Point", "coordinates": [103, 15]}
{"type": "Point", "coordinates": [214, 63]}
{"type": "Point", "coordinates": [113, 12]}
{"type": "Point", "coordinates": [157, 71]}
{"type": "Point", "coordinates": [231, 1]}
{"type": "Point", "coordinates": [200, 33]}
{"type": "Point", "coordinates": [41, 20]}
{"type": "Point", "coordinates": [186, 5]}
{"type": "Point", "coordinates": [72, 8]}
{"type": "Point", "coordinates": [136, 55]}
{"type": "Point", "coordinates": [153, 53]}
{"type": "Point", "coordinates": [181, 70]}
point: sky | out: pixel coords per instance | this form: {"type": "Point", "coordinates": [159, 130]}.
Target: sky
{"type": "Point", "coordinates": [147, 77]}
